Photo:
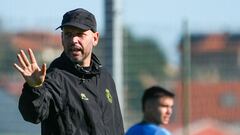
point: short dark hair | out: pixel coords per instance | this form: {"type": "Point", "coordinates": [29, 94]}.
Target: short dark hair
{"type": "Point", "coordinates": [155, 92]}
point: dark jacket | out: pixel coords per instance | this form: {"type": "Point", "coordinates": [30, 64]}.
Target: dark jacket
{"type": "Point", "coordinates": [73, 101]}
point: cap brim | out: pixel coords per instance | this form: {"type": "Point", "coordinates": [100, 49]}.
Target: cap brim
{"type": "Point", "coordinates": [80, 26]}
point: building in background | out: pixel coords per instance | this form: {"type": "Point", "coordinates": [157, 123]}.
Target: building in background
{"type": "Point", "coordinates": [45, 45]}
{"type": "Point", "coordinates": [215, 84]}
{"type": "Point", "coordinates": [215, 56]}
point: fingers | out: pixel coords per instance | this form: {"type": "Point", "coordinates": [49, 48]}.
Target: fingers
{"type": "Point", "coordinates": [32, 57]}
{"type": "Point", "coordinates": [24, 57]}
{"type": "Point", "coordinates": [24, 64]}
{"type": "Point", "coordinates": [19, 57]}
{"type": "Point", "coordinates": [23, 60]}
{"type": "Point", "coordinates": [29, 68]}
{"type": "Point", "coordinates": [18, 68]}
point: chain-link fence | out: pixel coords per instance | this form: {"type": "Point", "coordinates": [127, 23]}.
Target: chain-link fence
{"type": "Point", "coordinates": [206, 81]}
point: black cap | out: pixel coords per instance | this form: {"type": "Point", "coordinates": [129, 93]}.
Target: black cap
{"type": "Point", "coordinates": [79, 18]}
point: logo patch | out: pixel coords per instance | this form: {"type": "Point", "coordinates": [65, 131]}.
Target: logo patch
{"type": "Point", "coordinates": [83, 96]}
{"type": "Point", "coordinates": [108, 95]}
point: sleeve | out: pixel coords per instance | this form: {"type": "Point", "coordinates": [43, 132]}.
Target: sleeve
{"type": "Point", "coordinates": [117, 112]}
{"type": "Point", "coordinates": [114, 110]}
{"type": "Point", "coordinates": [35, 104]}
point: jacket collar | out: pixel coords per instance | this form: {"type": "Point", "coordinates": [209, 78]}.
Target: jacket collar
{"type": "Point", "coordinates": [94, 68]}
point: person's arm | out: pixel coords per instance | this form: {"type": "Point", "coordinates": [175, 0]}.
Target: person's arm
{"type": "Point", "coordinates": [36, 104]}
{"type": "Point", "coordinates": [118, 116]}
{"type": "Point", "coordinates": [117, 111]}
{"type": "Point", "coordinates": [37, 94]}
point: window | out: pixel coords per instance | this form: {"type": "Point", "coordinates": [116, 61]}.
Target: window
{"type": "Point", "coordinates": [228, 99]}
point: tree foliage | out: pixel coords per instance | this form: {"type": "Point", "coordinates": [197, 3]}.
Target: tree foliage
{"type": "Point", "coordinates": [143, 59]}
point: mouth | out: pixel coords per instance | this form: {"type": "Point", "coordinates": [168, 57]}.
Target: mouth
{"type": "Point", "coordinates": [166, 118]}
{"type": "Point", "coordinates": [75, 50]}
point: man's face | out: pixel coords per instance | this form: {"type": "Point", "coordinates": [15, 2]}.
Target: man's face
{"type": "Point", "coordinates": [78, 44]}
{"type": "Point", "coordinates": [160, 110]}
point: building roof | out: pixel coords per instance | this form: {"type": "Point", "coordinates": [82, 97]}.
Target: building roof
{"type": "Point", "coordinates": [213, 42]}
{"type": "Point", "coordinates": [35, 40]}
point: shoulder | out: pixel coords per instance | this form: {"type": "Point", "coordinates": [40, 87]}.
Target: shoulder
{"type": "Point", "coordinates": [105, 72]}
{"type": "Point", "coordinates": [105, 75]}
{"type": "Point", "coordinates": [162, 131]}
{"type": "Point", "coordinates": [53, 73]}
{"type": "Point", "coordinates": [134, 130]}
{"type": "Point", "coordinates": [147, 129]}
{"type": "Point", "coordinates": [56, 70]}
{"type": "Point", "coordinates": [58, 62]}
{"type": "Point", "coordinates": [143, 129]}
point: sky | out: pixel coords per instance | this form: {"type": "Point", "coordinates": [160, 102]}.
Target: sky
{"type": "Point", "coordinates": [162, 20]}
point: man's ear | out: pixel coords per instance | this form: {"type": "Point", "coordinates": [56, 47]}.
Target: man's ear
{"type": "Point", "coordinates": [95, 38]}
{"type": "Point", "coordinates": [62, 37]}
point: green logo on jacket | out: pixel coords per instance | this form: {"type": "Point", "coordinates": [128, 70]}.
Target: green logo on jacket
{"type": "Point", "coordinates": [83, 96]}
{"type": "Point", "coordinates": [108, 95]}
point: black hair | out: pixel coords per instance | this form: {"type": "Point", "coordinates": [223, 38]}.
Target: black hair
{"type": "Point", "coordinates": [155, 92]}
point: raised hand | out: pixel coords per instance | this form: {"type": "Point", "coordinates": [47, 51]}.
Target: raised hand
{"type": "Point", "coordinates": [30, 70]}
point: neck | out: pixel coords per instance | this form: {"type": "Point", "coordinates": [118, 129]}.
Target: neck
{"type": "Point", "coordinates": [149, 119]}
{"type": "Point", "coordinates": [84, 64]}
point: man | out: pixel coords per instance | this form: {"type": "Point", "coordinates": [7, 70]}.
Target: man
{"type": "Point", "coordinates": [75, 96]}
{"type": "Point", "coordinates": [157, 104]}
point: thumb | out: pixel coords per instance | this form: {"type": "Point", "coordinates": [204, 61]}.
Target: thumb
{"type": "Point", "coordinates": [44, 69]}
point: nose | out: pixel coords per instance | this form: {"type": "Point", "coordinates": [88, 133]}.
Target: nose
{"type": "Point", "coordinates": [75, 39]}
{"type": "Point", "coordinates": [169, 110]}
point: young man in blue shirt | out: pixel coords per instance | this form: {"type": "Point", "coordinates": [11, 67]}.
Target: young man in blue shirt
{"type": "Point", "coordinates": [157, 105]}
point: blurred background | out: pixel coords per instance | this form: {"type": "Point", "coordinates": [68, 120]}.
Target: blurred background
{"type": "Point", "coordinates": [190, 47]}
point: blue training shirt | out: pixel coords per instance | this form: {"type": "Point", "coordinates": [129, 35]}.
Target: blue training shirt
{"type": "Point", "coordinates": [147, 129]}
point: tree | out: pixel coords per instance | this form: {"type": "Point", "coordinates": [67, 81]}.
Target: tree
{"type": "Point", "coordinates": [144, 65]}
